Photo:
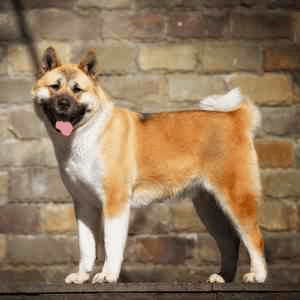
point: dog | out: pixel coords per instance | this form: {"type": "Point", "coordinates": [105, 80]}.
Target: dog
{"type": "Point", "coordinates": [113, 159]}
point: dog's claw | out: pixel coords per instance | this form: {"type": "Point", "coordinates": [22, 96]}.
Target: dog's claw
{"type": "Point", "coordinates": [105, 277]}
{"type": "Point", "coordinates": [252, 278]}
{"type": "Point", "coordinates": [77, 278]}
{"type": "Point", "coordinates": [215, 278]}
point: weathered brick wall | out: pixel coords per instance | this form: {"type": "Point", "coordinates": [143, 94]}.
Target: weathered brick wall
{"type": "Point", "coordinates": [153, 55]}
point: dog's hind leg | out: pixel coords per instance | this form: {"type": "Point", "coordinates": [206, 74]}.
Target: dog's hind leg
{"type": "Point", "coordinates": [88, 223]}
{"type": "Point", "coordinates": [222, 229]}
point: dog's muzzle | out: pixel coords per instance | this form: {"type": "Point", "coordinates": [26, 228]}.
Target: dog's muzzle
{"type": "Point", "coordinates": [63, 112]}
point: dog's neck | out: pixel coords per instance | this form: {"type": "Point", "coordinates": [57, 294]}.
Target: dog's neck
{"type": "Point", "coordinates": [86, 136]}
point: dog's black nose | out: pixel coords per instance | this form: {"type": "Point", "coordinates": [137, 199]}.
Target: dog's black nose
{"type": "Point", "coordinates": [63, 104]}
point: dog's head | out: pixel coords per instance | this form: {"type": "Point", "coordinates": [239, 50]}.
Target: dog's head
{"type": "Point", "coordinates": [66, 95]}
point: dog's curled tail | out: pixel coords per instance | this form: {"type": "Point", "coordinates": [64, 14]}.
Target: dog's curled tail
{"type": "Point", "coordinates": [255, 116]}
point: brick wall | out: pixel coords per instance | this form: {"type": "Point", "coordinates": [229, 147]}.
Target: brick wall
{"type": "Point", "coordinates": [153, 55]}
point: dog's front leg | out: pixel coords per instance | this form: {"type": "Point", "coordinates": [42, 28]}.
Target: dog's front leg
{"type": "Point", "coordinates": [87, 226]}
{"type": "Point", "coordinates": [115, 236]}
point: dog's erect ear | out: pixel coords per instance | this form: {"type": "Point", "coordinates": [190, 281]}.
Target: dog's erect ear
{"type": "Point", "coordinates": [49, 60]}
{"type": "Point", "coordinates": [87, 64]}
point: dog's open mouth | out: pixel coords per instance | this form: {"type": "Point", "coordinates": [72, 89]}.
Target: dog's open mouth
{"type": "Point", "coordinates": [64, 119]}
{"type": "Point", "coordinates": [65, 128]}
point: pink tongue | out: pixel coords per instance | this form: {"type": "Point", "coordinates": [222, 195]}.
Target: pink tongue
{"type": "Point", "coordinates": [65, 127]}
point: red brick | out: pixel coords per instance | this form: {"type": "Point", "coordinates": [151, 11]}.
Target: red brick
{"type": "Point", "coordinates": [287, 58]}
{"type": "Point", "coordinates": [257, 25]}
{"type": "Point", "coordinates": [168, 250]}
{"type": "Point", "coordinates": [274, 154]}
{"type": "Point", "coordinates": [145, 26]}
{"type": "Point", "coordinates": [19, 219]}
{"type": "Point", "coordinates": [185, 26]}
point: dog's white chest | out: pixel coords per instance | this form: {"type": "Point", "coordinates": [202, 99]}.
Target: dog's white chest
{"type": "Point", "coordinates": [82, 171]}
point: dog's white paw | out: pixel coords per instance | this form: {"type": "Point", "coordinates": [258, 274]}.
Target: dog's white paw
{"type": "Point", "coordinates": [105, 277]}
{"type": "Point", "coordinates": [77, 278]}
{"type": "Point", "coordinates": [252, 278]}
{"type": "Point", "coordinates": [215, 278]}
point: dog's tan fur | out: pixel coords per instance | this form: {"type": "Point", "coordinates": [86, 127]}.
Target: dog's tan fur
{"type": "Point", "coordinates": [144, 158]}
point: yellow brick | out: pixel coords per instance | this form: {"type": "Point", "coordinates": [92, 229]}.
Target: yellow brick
{"type": "Point", "coordinates": [168, 57]}
{"type": "Point", "coordinates": [58, 218]}
{"type": "Point", "coordinates": [228, 56]}
{"type": "Point", "coordinates": [3, 246]}
{"type": "Point", "coordinates": [115, 59]}
{"type": "Point", "coordinates": [266, 89]}
{"type": "Point", "coordinates": [3, 187]}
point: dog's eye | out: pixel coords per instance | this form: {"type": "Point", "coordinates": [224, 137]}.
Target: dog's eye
{"type": "Point", "coordinates": [55, 86]}
{"type": "Point", "coordinates": [76, 89]}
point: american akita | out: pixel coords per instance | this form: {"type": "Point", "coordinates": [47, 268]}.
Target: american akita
{"type": "Point", "coordinates": [114, 158]}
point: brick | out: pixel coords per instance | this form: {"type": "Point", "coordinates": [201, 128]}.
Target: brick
{"type": "Point", "coordinates": [19, 60]}
{"type": "Point", "coordinates": [115, 60]}
{"type": "Point", "coordinates": [286, 274]}
{"type": "Point", "coordinates": [57, 25]}
{"type": "Point", "coordinates": [53, 24]}
{"type": "Point", "coordinates": [109, 4]}
{"type": "Point", "coordinates": [56, 189]}
{"type": "Point", "coordinates": [89, 27]}
{"type": "Point", "coordinates": [3, 187]}
{"type": "Point", "coordinates": [186, 218]}
{"type": "Point", "coordinates": [168, 250]}
{"type": "Point", "coordinates": [206, 251]}
{"type": "Point", "coordinates": [152, 219]}
{"type": "Point", "coordinates": [266, 89]}
{"type": "Point", "coordinates": [3, 60]}
{"type": "Point", "coordinates": [279, 58]}
{"type": "Point", "coordinates": [41, 250]}
{"type": "Point", "coordinates": [27, 153]}
{"type": "Point", "coordinates": [171, 57]}
{"type": "Point", "coordinates": [281, 183]}
{"type": "Point", "coordinates": [19, 219]}
{"type": "Point", "coordinates": [275, 121]}
{"type": "Point", "coordinates": [15, 91]}
{"type": "Point", "coordinates": [28, 184]}
{"type": "Point", "coordinates": [296, 23]}
{"type": "Point", "coordinates": [58, 218]}
{"type": "Point", "coordinates": [147, 26]}
{"type": "Point", "coordinates": [194, 87]}
{"type": "Point", "coordinates": [3, 247]}
{"type": "Point", "coordinates": [5, 132]}
{"type": "Point", "coordinates": [185, 26]}
{"type": "Point", "coordinates": [278, 216]}
{"type": "Point", "coordinates": [136, 88]}
{"type": "Point", "coordinates": [282, 246]}
{"type": "Point", "coordinates": [215, 23]}
{"type": "Point", "coordinates": [294, 122]}
{"type": "Point", "coordinates": [8, 28]}
{"type": "Point", "coordinates": [25, 123]}
{"type": "Point", "coordinates": [151, 4]}
{"type": "Point", "coordinates": [115, 24]}
{"type": "Point", "coordinates": [39, 4]}
{"type": "Point", "coordinates": [229, 56]}
{"type": "Point", "coordinates": [255, 25]}
{"type": "Point", "coordinates": [297, 154]}
{"type": "Point", "coordinates": [275, 153]}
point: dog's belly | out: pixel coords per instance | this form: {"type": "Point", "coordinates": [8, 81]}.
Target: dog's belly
{"type": "Point", "coordinates": [145, 194]}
